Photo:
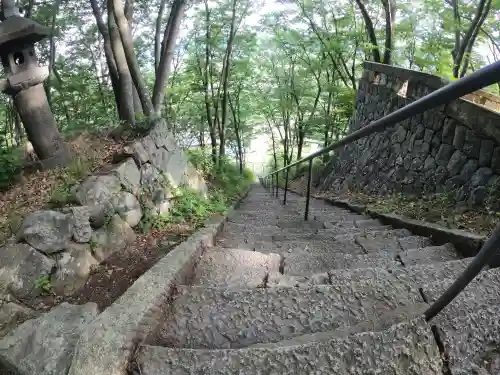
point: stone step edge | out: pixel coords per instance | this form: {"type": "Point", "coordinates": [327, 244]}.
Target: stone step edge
{"type": "Point", "coordinates": [107, 344]}
{"type": "Point", "coordinates": [467, 243]}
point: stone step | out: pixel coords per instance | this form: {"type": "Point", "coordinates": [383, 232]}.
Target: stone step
{"type": "Point", "coordinates": [405, 348]}
{"type": "Point", "coordinates": [236, 318]}
{"type": "Point", "coordinates": [430, 254]}
{"type": "Point", "coordinates": [484, 290]}
{"type": "Point", "coordinates": [471, 341]}
{"type": "Point", "coordinates": [375, 324]}
{"type": "Point", "coordinates": [235, 267]}
{"type": "Point", "coordinates": [418, 275]}
{"type": "Point", "coordinates": [302, 263]}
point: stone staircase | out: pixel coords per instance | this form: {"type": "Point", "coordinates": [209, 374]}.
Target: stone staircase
{"type": "Point", "coordinates": [340, 294]}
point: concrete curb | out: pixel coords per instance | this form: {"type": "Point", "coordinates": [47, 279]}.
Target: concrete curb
{"type": "Point", "coordinates": [108, 343]}
{"type": "Point", "coordinates": [467, 243]}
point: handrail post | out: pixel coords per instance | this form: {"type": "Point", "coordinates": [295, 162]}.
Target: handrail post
{"type": "Point", "coordinates": [272, 184]}
{"type": "Point", "coordinates": [277, 183]}
{"type": "Point", "coordinates": [286, 185]}
{"type": "Point", "coordinates": [308, 195]}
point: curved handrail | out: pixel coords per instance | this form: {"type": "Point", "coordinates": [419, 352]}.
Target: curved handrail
{"type": "Point", "coordinates": [477, 80]}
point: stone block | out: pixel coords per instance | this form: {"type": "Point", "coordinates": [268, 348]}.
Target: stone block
{"type": "Point", "coordinates": [457, 161]}
{"type": "Point", "coordinates": [486, 152]}
{"type": "Point", "coordinates": [459, 137]}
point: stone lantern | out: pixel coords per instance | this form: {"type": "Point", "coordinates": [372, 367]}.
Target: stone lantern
{"type": "Point", "coordinates": [24, 82]}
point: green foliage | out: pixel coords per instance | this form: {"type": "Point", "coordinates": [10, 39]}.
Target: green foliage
{"type": "Point", "coordinates": [75, 172]}
{"type": "Point", "coordinates": [44, 285]}
{"type": "Point", "coordinates": [10, 165]}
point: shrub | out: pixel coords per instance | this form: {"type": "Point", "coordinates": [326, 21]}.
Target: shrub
{"type": "Point", "coordinates": [11, 163]}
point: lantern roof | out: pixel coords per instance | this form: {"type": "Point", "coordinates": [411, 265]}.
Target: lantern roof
{"type": "Point", "coordinates": [18, 31]}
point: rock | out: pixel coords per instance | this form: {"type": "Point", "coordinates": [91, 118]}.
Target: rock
{"type": "Point", "coordinates": [495, 160]}
{"type": "Point", "coordinates": [137, 151]}
{"type": "Point", "coordinates": [194, 180]}
{"type": "Point", "coordinates": [111, 238]}
{"type": "Point", "coordinates": [161, 159]}
{"type": "Point", "coordinates": [82, 231]}
{"type": "Point", "coordinates": [468, 169]}
{"type": "Point", "coordinates": [128, 207]}
{"type": "Point", "coordinates": [478, 196]}
{"type": "Point", "coordinates": [486, 152]}
{"type": "Point", "coordinates": [21, 266]}
{"type": "Point", "coordinates": [73, 269]}
{"type": "Point", "coordinates": [175, 169]}
{"type": "Point", "coordinates": [459, 138]}
{"type": "Point", "coordinates": [453, 183]}
{"type": "Point", "coordinates": [159, 132]}
{"type": "Point", "coordinates": [170, 143]}
{"type": "Point", "coordinates": [430, 163]}
{"type": "Point", "coordinates": [161, 199]}
{"type": "Point", "coordinates": [101, 214]}
{"type": "Point", "coordinates": [150, 147]}
{"type": "Point", "coordinates": [448, 131]}
{"type": "Point", "coordinates": [97, 190]}
{"type": "Point", "coordinates": [456, 162]}
{"type": "Point", "coordinates": [12, 315]}
{"type": "Point", "coordinates": [444, 154]}
{"type": "Point", "coordinates": [472, 145]}
{"type": "Point", "coordinates": [428, 135]}
{"type": "Point", "coordinates": [149, 174]}
{"type": "Point", "coordinates": [45, 346]}
{"type": "Point", "coordinates": [399, 135]}
{"type": "Point", "coordinates": [481, 177]}
{"type": "Point", "coordinates": [129, 176]}
{"type": "Point", "coordinates": [47, 231]}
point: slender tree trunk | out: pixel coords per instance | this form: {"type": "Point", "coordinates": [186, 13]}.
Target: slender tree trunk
{"type": "Point", "coordinates": [108, 54]}
{"type": "Point", "coordinates": [472, 40]}
{"type": "Point", "coordinates": [158, 34]}
{"type": "Point", "coordinates": [129, 14]}
{"type": "Point", "coordinates": [52, 53]}
{"type": "Point", "coordinates": [126, 98]}
{"type": "Point", "coordinates": [208, 104]}
{"type": "Point", "coordinates": [225, 80]}
{"type": "Point", "coordinates": [370, 30]}
{"type": "Point", "coordinates": [460, 51]}
{"type": "Point", "coordinates": [133, 65]}
{"type": "Point", "coordinates": [390, 16]}
{"type": "Point", "coordinates": [165, 65]}
{"type": "Point", "coordinates": [236, 125]}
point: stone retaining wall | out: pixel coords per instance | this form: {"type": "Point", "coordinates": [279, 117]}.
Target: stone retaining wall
{"type": "Point", "coordinates": [57, 248]}
{"type": "Point", "coordinates": [453, 149]}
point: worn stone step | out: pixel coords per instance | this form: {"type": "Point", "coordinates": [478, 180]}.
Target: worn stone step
{"type": "Point", "coordinates": [375, 324]}
{"type": "Point", "coordinates": [471, 341]}
{"type": "Point", "coordinates": [276, 279]}
{"type": "Point", "coordinates": [377, 241]}
{"type": "Point", "coordinates": [430, 254]}
{"type": "Point", "coordinates": [404, 349]}
{"type": "Point", "coordinates": [236, 318]}
{"type": "Point", "coordinates": [304, 263]}
{"type": "Point", "coordinates": [484, 290]}
{"type": "Point", "coordinates": [235, 267]}
{"type": "Point", "coordinates": [418, 275]}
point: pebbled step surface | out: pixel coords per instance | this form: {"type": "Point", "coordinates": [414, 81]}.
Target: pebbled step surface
{"type": "Point", "coordinates": [233, 267]}
{"type": "Point", "coordinates": [236, 318]}
{"type": "Point", "coordinates": [404, 349]}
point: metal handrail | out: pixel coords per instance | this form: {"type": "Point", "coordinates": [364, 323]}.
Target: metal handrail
{"type": "Point", "coordinates": [455, 90]}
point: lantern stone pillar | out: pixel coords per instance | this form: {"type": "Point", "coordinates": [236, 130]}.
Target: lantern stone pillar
{"type": "Point", "coordinates": [24, 82]}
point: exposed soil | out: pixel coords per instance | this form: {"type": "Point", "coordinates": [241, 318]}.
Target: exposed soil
{"type": "Point", "coordinates": [110, 279]}
{"type": "Point", "coordinates": [34, 191]}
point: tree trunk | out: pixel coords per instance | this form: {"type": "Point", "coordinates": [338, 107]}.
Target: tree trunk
{"type": "Point", "coordinates": [129, 14]}
{"type": "Point", "coordinates": [208, 105]}
{"type": "Point", "coordinates": [472, 40]}
{"type": "Point", "coordinates": [390, 20]}
{"type": "Point", "coordinates": [225, 79]}
{"type": "Point", "coordinates": [370, 30]}
{"type": "Point", "coordinates": [169, 40]}
{"type": "Point", "coordinates": [126, 98]}
{"type": "Point", "coordinates": [52, 53]}
{"type": "Point", "coordinates": [467, 38]}
{"type": "Point", "coordinates": [158, 34]}
{"type": "Point", "coordinates": [133, 65]}
{"type": "Point", "coordinates": [108, 53]}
